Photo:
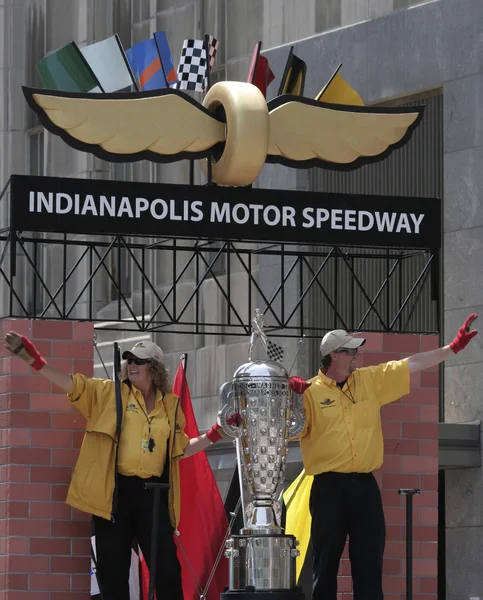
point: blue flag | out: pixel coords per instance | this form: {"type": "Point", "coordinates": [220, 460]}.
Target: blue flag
{"type": "Point", "coordinates": [166, 57]}
{"type": "Point", "coordinates": [146, 65]}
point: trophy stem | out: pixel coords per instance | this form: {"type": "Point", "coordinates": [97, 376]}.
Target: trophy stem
{"type": "Point", "coordinates": [262, 520]}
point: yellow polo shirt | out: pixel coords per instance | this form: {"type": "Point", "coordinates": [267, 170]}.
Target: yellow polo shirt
{"type": "Point", "coordinates": [134, 455]}
{"type": "Point", "coordinates": [343, 430]}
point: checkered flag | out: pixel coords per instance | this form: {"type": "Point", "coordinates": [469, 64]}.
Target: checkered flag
{"type": "Point", "coordinates": [274, 351]}
{"type": "Point", "coordinates": [192, 74]}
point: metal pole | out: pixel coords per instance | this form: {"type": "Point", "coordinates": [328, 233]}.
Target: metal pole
{"type": "Point", "coordinates": [157, 488]}
{"type": "Point", "coordinates": [409, 493]}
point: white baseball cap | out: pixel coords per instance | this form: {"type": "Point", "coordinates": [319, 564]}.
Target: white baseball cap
{"type": "Point", "coordinates": [145, 349]}
{"type": "Point", "coordinates": [339, 338]}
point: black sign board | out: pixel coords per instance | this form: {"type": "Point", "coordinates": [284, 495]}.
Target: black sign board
{"type": "Point", "coordinates": [91, 206]}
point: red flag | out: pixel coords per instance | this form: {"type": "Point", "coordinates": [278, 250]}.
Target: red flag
{"type": "Point", "coordinates": [260, 73]}
{"type": "Point", "coordinates": [203, 522]}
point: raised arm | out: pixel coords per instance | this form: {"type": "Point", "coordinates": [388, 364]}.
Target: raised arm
{"type": "Point", "coordinates": [23, 348]}
{"type": "Point", "coordinates": [212, 436]}
{"type": "Point", "coordinates": [425, 360]}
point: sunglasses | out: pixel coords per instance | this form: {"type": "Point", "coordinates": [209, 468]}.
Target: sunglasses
{"type": "Point", "coordinates": [350, 351]}
{"type": "Point", "coordinates": [138, 361]}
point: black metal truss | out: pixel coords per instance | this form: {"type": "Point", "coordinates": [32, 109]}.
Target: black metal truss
{"type": "Point", "coordinates": [298, 276]}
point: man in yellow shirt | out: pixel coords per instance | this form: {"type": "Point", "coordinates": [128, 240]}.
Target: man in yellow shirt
{"type": "Point", "coordinates": [341, 445]}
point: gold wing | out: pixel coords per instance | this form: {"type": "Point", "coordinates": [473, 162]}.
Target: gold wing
{"type": "Point", "coordinates": [166, 124]}
{"type": "Point", "coordinates": [304, 130]}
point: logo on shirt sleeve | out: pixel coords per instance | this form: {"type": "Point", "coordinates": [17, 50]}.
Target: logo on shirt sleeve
{"type": "Point", "coordinates": [326, 403]}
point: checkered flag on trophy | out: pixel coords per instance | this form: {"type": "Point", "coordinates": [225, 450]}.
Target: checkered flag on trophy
{"type": "Point", "coordinates": [274, 351]}
{"type": "Point", "coordinates": [192, 73]}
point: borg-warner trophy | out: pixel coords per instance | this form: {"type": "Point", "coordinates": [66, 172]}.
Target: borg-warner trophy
{"type": "Point", "coordinates": [262, 557]}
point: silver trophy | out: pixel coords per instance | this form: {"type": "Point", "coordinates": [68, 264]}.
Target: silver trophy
{"type": "Point", "coordinates": [262, 558]}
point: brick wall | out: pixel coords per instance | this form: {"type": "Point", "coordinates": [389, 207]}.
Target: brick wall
{"type": "Point", "coordinates": [44, 544]}
{"type": "Point", "coordinates": [411, 461]}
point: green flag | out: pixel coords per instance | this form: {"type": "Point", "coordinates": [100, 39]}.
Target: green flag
{"type": "Point", "coordinates": [67, 70]}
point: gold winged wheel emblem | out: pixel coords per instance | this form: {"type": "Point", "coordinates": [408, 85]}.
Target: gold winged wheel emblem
{"type": "Point", "coordinates": [234, 124]}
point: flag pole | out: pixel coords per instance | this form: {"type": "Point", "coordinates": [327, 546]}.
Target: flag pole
{"type": "Point", "coordinates": [161, 61]}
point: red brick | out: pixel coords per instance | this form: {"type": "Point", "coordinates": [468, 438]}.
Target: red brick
{"type": "Point", "coordinates": [79, 515]}
{"type": "Point", "coordinates": [50, 474]}
{"type": "Point", "coordinates": [391, 429]}
{"type": "Point", "coordinates": [64, 364]}
{"type": "Point", "coordinates": [400, 412]}
{"type": "Point", "coordinates": [429, 482]}
{"type": "Point", "coordinates": [401, 447]}
{"type": "Point", "coordinates": [18, 401]}
{"type": "Point", "coordinates": [391, 498]}
{"type": "Point", "coordinates": [50, 510]}
{"type": "Point", "coordinates": [429, 516]}
{"type": "Point", "coordinates": [429, 379]}
{"type": "Point", "coordinates": [429, 342]}
{"type": "Point", "coordinates": [419, 464]}
{"type": "Point", "coordinates": [68, 596]}
{"type": "Point", "coordinates": [29, 564]}
{"type": "Point", "coordinates": [393, 584]}
{"type": "Point", "coordinates": [344, 584]}
{"type": "Point", "coordinates": [14, 545]}
{"type": "Point", "coordinates": [50, 546]}
{"type": "Point", "coordinates": [376, 358]}
{"type": "Point", "coordinates": [80, 583]}
{"type": "Point", "coordinates": [424, 533]}
{"type": "Point", "coordinates": [395, 481]}
{"type": "Point", "coordinates": [16, 510]}
{"type": "Point", "coordinates": [23, 418]}
{"type": "Point", "coordinates": [20, 326]}
{"type": "Point", "coordinates": [24, 595]}
{"type": "Point", "coordinates": [401, 343]}
{"type": "Point", "coordinates": [429, 447]}
{"type": "Point", "coordinates": [30, 456]}
{"type": "Point", "coordinates": [52, 439]}
{"type": "Point", "coordinates": [67, 564]}
{"type": "Point", "coordinates": [422, 431]}
{"type": "Point", "coordinates": [428, 585]}
{"type": "Point", "coordinates": [73, 349]}
{"type": "Point", "coordinates": [392, 464]}
{"type": "Point", "coordinates": [52, 330]}
{"type": "Point", "coordinates": [17, 437]}
{"type": "Point", "coordinates": [59, 493]}
{"type": "Point", "coordinates": [16, 581]}
{"type": "Point", "coordinates": [395, 515]}
{"type": "Point", "coordinates": [373, 342]}
{"type": "Point", "coordinates": [430, 414]}
{"type": "Point", "coordinates": [84, 331]}
{"type": "Point", "coordinates": [18, 473]}
{"type": "Point", "coordinates": [426, 498]}
{"type": "Point", "coordinates": [32, 383]}
{"type": "Point", "coordinates": [29, 491]}
{"type": "Point", "coordinates": [395, 549]}
{"type": "Point", "coordinates": [68, 421]}
{"type": "Point", "coordinates": [426, 396]}
{"type": "Point", "coordinates": [50, 402]}
{"type": "Point", "coordinates": [86, 367]}
{"type": "Point", "coordinates": [65, 457]}
{"type": "Point", "coordinates": [81, 547]}
{"type": "Point", "coordinates": [392, 566]}
{"type": "Point", "coordinates": [49, 582]}
{"type": "Point", "coordinates": [13, 365]}
{"type": "Point", "coordinates": [71, 529]}
{"type": "Point", "coordinates": [425, 567]}
{"type": "Point", "coordinates": [77, 438]}
{"type": "Point", "coordinates": [429, 550]}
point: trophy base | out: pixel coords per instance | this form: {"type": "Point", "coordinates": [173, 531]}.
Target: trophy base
{"type": "Point", "coordinates": [264, 595]}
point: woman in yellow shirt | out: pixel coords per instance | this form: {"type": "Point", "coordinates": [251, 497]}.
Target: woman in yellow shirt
{"type": "Point", "coordinates": [110, 473]}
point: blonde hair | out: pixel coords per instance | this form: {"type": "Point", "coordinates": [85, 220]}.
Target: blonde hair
{"type": "Point", "coordinates": [159, 375]}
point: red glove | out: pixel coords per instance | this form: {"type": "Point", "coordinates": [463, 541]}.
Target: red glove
{"type": "Point", "coordinates": [24, 349]}
{"type": "Point", "coordinates": [298, 384]}
{"type": "Point", "coordinates": [464, 335]}
{"type": "Point", "coordinates": [214, 435]}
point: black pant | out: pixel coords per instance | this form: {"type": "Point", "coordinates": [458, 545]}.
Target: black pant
{"type": "Point", "coordinates": [114, 542]}
{"type": "Point", "coordinates": [347, 505]}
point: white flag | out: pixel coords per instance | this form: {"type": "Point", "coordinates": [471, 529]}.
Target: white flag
{"type": "Point", "coordinates": [108, 61]}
